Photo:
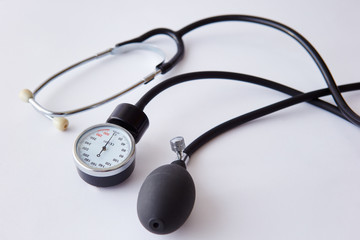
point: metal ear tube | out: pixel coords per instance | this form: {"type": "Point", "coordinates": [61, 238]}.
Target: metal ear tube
{"type": "Point", "coordinates": [58, 118]}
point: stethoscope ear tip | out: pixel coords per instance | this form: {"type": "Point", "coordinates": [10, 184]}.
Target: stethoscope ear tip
{"type": "Point", "coordinates": [25, 95]}
{"type": "Point", "coordinates": [60, 123]}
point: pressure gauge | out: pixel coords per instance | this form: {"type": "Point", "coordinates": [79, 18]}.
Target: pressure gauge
{"type": "Point", "coordinates": [104, 154]}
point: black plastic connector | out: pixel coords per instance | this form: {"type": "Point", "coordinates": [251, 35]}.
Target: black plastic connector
{"type": "Point", "coordinates": [131, 118]}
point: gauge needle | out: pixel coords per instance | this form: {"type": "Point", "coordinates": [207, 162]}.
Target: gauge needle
{"type": "Point", "coordinates": [104, 147]}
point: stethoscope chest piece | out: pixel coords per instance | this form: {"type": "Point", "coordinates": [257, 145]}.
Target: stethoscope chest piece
{"type": "Point", "coordinates": [105, 153]}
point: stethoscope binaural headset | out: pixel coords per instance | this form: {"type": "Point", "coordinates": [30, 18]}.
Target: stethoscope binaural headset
{"type": "Point", "coordinates": [105, 153]}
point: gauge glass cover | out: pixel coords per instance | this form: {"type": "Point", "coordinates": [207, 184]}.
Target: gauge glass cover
{"type": "Point", "coordinates": [104, 147]}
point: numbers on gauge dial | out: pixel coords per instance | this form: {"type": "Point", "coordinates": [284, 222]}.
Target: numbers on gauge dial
{"type": "Point", "coordinates": [104, 147]}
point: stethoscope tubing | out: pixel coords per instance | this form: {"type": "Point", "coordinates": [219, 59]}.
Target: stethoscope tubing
{"type": "Point", "coordinates": [177, 36]}
{"type": "Point", "coordinates": [335, 92]}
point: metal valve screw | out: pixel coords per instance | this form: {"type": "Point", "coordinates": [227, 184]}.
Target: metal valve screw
{"type": "Point", "coordinates": [177, 144]}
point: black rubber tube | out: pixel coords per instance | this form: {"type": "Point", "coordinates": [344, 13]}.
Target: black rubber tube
{"type": "Point", "coordinates": [335, 92]}
{"type": "Point", "coordinates": [229, 76]}
{"type": "Point", "coordinates": [235, 122]}
{"type": "Point", "coordinates": [298, 97]}
{"type": "Point", "coordinates": [167, 65]}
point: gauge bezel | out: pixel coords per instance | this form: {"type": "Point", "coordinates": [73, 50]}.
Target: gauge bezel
{"type": "Point", "coordinates": [104, 172]}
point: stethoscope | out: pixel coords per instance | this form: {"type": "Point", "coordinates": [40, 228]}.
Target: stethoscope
{"type": "Point", "coordinates": [105, 153]}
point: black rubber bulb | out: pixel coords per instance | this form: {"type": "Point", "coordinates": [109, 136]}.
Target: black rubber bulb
{"type": "Point", "coordinates": [166, 198]}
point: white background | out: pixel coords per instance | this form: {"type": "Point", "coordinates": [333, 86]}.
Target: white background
{"type": "Point", "coordinates": [291, 175]}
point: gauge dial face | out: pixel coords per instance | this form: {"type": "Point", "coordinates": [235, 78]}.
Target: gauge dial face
{"type": "Point", "coordinates": [104, 147]}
